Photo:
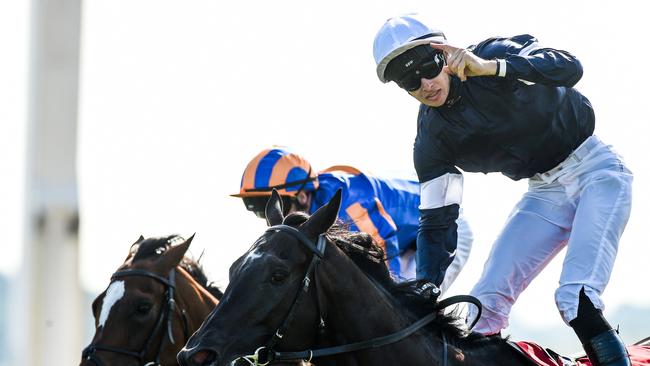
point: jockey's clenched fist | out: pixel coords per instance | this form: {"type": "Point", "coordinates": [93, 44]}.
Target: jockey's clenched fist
{"type": "Point", "coordinates": [463, 63]}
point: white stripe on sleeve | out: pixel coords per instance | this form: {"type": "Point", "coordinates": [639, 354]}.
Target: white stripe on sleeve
{"type": "Point", "coordinates": [442, 191]}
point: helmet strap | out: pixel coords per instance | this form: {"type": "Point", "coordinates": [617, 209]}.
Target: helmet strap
{"type": "Point", "coordinates": [304, 182]}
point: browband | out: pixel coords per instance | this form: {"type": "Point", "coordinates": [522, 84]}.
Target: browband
{"type": "Point", "coordinates": [318, 249]}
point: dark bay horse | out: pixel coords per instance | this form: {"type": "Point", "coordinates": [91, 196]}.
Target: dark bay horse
{"type": "Point", "coordinates": [154, 302]}
{"type": "Point", "coordinates": [348, 296]}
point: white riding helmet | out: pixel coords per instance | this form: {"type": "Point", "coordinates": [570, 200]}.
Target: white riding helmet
{"type": "Point", "coordinates": [398, 35]}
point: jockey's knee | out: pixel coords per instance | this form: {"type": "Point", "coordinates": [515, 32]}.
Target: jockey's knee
{"type": "Point", "coordinates": [496, 310]}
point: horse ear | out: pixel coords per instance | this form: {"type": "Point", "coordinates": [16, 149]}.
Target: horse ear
{"type": "Point", "coordinates": [173, 256]}
{"type": "Point", "coordinates": [134, 246]}
{"type": "Point", "coordinates": [323, 218]}
{"type": "Point", "coordinates": [274, 210]}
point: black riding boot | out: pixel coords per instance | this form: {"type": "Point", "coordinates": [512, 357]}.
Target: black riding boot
{"type": "Point", "coordinates": [603, 345]}
{"type": "Point", "coordinates": [607, 349]}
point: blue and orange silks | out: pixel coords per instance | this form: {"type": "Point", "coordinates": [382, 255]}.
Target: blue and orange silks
{"type": "Point", "coordinates": [387, 209]}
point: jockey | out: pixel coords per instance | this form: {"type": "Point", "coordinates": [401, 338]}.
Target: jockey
{"type": "Point", "coordinates": [385, 208]}
{"type": "Point", "coordinates": [508, 105]}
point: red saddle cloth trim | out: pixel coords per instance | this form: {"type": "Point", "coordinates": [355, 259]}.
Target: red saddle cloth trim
{"type": "Point", "coordinates": [639, 355]}
{"type": "Point", "coordinates": [536, 353]}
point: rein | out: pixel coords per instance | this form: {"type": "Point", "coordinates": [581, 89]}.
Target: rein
{"type": "Point", "coordinates": [319, 251]}
{"type": "Point", "coordinates": [267, 354]}
{"type": "Point", "coordinates": [164, 316]}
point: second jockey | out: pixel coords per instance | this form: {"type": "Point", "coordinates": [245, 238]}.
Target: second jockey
{"type": "Point", "coordinates": [384, 207]}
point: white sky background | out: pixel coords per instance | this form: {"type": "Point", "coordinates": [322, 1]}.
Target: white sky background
{"type": "Point", "coordinates": [177, 97]}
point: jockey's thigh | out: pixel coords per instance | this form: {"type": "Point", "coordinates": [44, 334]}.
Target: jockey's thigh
{"type": "Point", "coordinates": [536, 230]}
{"type": "Point", "coordinates": [463, 248]}
{"type": "Point", "coordinates": [601, 187]}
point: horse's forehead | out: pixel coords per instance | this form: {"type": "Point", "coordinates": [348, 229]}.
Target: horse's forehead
{"type": "Point", "coordinates": [281, 241]}
{"type": "Point", "coordinates": [149, 264]}
{"type": "Point", "coordinates": [252, 256]}
{"type": "Point", "coordinates": [264, 250]}
{"type": "Point", "coordinates": [114, 293]}
{"type": "Point", "coordinates": [280, 245]}
{"type": "Point", "coordinates": [255, 258]}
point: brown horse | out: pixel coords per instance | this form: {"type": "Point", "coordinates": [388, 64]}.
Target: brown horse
{"type": "Point", "coordinates": [308, 290]}
{"type": "Point", "coordinates": [154, 302]}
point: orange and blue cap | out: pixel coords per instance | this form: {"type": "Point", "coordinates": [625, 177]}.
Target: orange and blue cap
{"type": "Point", "coordinates": [277, 168]}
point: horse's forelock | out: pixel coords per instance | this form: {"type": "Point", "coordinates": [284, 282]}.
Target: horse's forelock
{"type": "Point", "coordinates": [296, 218]}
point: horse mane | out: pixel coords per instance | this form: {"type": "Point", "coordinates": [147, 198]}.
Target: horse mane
{"type": "Point", "coordinates": [370, 258]}
{"type": "Point", "coordinates": [155, 246]}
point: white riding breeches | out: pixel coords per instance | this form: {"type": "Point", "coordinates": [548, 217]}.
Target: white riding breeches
{"type": "Point", "coordinates": [584, 204]}
{"type": "Point", "coordinates": [464, 241]}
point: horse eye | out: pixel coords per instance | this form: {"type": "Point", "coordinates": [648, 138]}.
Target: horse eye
{"type": "Point", "coordinates": [278, 277]}
{"type": "Point", "coordinates": [143, 309]}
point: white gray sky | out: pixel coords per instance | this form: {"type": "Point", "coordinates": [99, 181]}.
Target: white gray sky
{"type": "Point", "coordinates": [177, 96]}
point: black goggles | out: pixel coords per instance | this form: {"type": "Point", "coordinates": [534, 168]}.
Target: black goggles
{"type": "Point", "coordinates": [408, 69]}
{"type": "Point", "coordinates": [257, 204]}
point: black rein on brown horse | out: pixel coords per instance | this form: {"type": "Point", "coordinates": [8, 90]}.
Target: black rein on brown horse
{"type": "Point", "coordinates": [165, 316]}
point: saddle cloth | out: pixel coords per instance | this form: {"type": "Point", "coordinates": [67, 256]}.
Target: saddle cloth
{"type": "Point", "coordinates": [640, 355]}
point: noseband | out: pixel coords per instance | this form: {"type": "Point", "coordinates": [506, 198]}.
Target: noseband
{"type": "Point", "coordinates": [267, 354]}
{"type": "Point", "coordinates": [164, 317]}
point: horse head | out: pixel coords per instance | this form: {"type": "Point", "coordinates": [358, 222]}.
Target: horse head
{"type": "Point", "coordinates": [263, 289]}
{"type": "Point", "coordinates": [150, 307]}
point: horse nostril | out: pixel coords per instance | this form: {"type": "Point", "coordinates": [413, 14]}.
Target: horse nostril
{"type": "Point", "coordinates": [204, 357]}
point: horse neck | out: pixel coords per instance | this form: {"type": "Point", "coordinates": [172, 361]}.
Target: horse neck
{"type": "Point", "coordinates": [194, 299]}
{"type": "Point", "coordinates": [360, 311]}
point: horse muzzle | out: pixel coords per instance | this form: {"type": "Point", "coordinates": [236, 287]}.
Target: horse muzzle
{"type": "Point", "coordinates": [198, 357]}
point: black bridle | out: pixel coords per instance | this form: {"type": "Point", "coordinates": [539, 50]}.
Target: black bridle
{"type": "Point", "coordinates": [267, 354]}
{"type": "Point", "coordinates": [165, 316]}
